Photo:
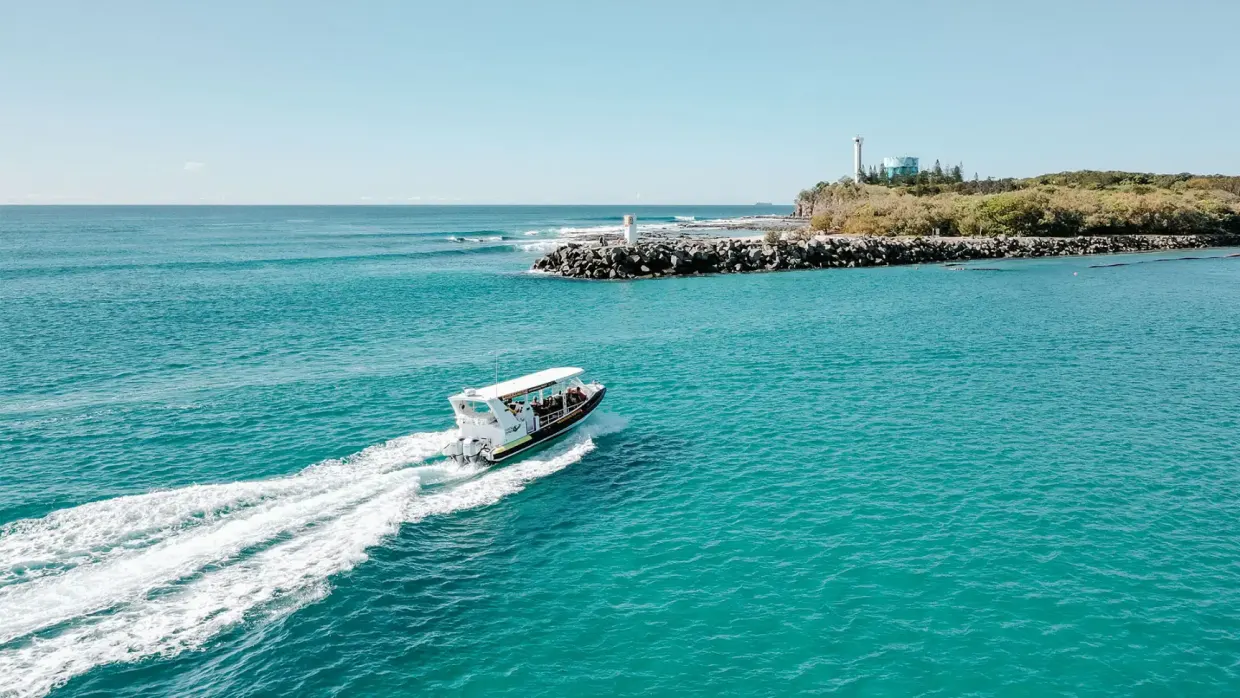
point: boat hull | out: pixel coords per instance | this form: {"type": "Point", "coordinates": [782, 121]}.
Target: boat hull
{"type": "Point", "coordinates": [550, 432]}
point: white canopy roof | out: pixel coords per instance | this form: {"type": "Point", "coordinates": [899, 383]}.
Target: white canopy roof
{"type": "Point", "coordinates": [524, 384]}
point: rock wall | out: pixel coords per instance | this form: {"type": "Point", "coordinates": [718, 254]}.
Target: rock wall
{"type": "Point", "coordinates": [728, 256]}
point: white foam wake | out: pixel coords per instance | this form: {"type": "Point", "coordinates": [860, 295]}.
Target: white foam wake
{"type": "Point", "coordinates": [64, 539]}
{"type": "Point", "coordinates": [157, 574]}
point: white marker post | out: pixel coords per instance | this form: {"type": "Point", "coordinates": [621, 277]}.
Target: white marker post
{"type": "Point", "coordinates": [630, 229]}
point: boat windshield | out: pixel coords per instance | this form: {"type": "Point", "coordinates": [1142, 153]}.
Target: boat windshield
{"type": "Point", "coordinates": [473, 407]}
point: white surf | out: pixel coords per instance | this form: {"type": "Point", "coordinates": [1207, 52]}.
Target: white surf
{"type": "Point", "coordinates": [157, 574]}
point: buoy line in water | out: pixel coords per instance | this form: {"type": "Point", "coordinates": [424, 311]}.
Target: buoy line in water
{"type": "Point", "coordinates": [123, 579]}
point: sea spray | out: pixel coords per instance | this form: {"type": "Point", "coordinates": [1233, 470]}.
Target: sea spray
{"type": "Point", "coordinates": [510, 479]}
{"type": "Point", "coordinates": [542, 246]}
{"type": "Point", "coordinates": [268, 548]}
{"type": "Point", "coordinates": [90, 588]}
{"type": "Point", "coordinates": [277, 580]}
{"type": "Point", "coordinates": [31, 548]}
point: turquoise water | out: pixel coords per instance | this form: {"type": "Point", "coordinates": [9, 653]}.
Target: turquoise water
{"type": "Point", "coordinates": [217, 430]}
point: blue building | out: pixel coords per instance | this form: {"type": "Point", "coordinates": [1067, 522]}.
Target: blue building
{"type": "Point", "coordinates": [897, 167]}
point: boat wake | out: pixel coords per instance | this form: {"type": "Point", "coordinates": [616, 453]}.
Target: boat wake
{"type": "Point", "coordinates": [124, 579]}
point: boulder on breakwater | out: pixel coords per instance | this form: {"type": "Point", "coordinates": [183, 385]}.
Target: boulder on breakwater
{"type": "Point", "coordinates": [729, 256]}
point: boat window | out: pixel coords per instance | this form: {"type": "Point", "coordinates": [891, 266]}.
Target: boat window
{"type": "Point", "coordinates": [472, 407]}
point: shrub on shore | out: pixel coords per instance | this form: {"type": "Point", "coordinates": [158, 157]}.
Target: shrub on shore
{"type": "Point", "coordinates": [1060, 207]}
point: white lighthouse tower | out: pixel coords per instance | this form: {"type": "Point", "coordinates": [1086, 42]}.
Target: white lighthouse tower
{"type": "Point", "coordinates": [857, 159]}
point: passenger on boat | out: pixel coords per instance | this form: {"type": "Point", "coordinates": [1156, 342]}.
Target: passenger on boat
{"type": "Point", "coordinates": [551, 405]}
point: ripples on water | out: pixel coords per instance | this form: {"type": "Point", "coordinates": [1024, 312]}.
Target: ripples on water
{"type": "Point", "coordinates": [895, 481]}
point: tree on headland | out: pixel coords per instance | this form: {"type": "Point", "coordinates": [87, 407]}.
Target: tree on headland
{"type": "Point", "coordinates": [924, 183]}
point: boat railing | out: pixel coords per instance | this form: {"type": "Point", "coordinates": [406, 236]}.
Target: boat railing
{"type": "Point", "coordinates": [545, 419]}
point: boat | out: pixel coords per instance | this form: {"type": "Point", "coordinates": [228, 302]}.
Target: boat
{"type": "Point", "coordinates": [499, 421]}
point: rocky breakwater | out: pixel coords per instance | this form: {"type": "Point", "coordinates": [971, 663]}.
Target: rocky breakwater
{"type": "Point", "coordinates": [728, 256]}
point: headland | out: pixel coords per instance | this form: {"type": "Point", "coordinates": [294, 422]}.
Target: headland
{"type": "Point", "coordinates": [940, 218]}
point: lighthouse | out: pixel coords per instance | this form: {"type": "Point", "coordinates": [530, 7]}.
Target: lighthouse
{"type": "Point", "coordinates": [857, 159]}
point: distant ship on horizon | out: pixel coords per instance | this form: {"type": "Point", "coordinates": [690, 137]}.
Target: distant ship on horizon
{"type": "Point", "coordinates": [764, 203]}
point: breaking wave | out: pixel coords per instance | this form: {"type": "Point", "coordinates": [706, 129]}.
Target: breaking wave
{"type": "Point", "coordinates": [557, 237]}
{"type": "Point", "coordinates": [542, 246]}
{"type": "Point", "coordinates": [489, 238]}
{"type": "Point", "coordinates": [592, 232]}
{"type": "Point", "coordinates": [124, 579]}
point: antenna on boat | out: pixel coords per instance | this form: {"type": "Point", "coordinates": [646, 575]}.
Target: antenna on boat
{"type": "Point", "coordinates": [496, 353]}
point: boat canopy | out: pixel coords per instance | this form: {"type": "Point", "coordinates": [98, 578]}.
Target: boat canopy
{"type": "Point", "coordinates": [522, 385]}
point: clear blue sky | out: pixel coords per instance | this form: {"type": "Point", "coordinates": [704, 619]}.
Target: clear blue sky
{"type": "Point", "coordinates": [593, 102]}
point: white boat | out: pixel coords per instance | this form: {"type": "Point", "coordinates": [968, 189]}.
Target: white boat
{"type": "Point", "coordinates": [499, 421]}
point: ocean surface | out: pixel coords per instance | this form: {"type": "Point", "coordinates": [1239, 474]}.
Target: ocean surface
{"type": "Point", "coordinates": [218, 430]}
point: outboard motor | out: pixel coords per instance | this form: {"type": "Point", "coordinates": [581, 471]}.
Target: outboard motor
{"type": "Point", "coordinates": [471, 448]}
{"type": "Point", "coordinates": [466, 450]}
{"type": "Point", "coordinates": [454, 450]}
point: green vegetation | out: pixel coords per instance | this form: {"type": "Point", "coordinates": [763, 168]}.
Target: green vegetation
{"type": "Point", "coordinates": [936, 177]}
{"type": "Point", "coordinates": [1063, 204]}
